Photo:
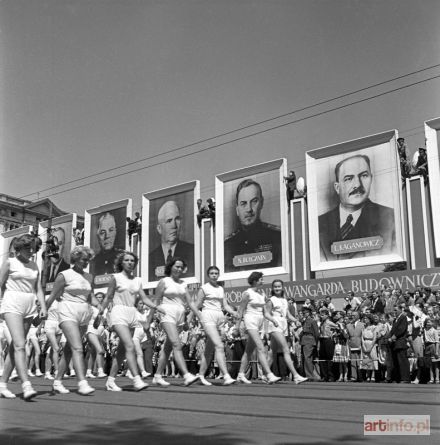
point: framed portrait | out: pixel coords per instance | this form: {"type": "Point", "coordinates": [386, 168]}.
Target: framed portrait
{"type": "Point", "coordinates": [106, 233]}
{"type": "Point", "coordinates": [251, 220]}
{"type": "Point", "coordinates": [432, 134]}
{"type": "Point", "coordinates": [170, 230]}
{"type": "Point", "coordinates": [7, 241]}
{"type": "Point", "coordinates": [58, 241]}
{"type": "Point", "coordinates": [355, 207]}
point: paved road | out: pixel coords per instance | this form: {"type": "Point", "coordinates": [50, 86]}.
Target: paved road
{"type": "Point", "coordinates": [312, 413]}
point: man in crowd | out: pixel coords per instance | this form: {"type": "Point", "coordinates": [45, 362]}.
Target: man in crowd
{"type": "Point", "coordinates": [397, 338]}
{"type": "Point", "coordinates": [309, 342]}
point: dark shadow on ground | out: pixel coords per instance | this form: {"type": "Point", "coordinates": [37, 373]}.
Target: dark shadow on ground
{"type": "Point", "coordinates": [136, 432]}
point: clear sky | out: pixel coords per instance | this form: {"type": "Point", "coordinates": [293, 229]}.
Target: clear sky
{"type": "Point", "coordinates": [89, 85]}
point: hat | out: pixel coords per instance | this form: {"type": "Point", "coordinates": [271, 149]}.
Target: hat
{"type": "Point", "coordinates": [422, 148]}
{"type": "Point", "coordinates": [400, 139]}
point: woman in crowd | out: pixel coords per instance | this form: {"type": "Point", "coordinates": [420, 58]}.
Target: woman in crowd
{"type": "Point", "coordinates": [21, 279]}
{"type": "Point", "coordinates": [94, 340]}
{"type": "Point", "coordinates": [123, 291]}
{"type": "Point", "coordinates": [172, 294]}
{"type": "Point", "coordinates": [33, 350]}
{"type": "Point", "coordinates": [277, 306]}
{"type": "Point", "coordinates": [140, 336]}
{"type": "Point", "coordinates": [369, 361]}
{"type": "Point", "coordinates": [212, 300]}
{"type": "Point", "coordinates": [253, 311]}
{"type": "Point", "coordinates": [341, 354]}
{"type": "Point", "coordinates": [74, 286]}
{"type": "Point", "coordinates": [432, 350]}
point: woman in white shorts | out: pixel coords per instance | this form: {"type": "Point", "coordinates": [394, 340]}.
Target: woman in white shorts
{"type": "Point", "coordinates": [279, 308]}
{"type": "Point", "coordinates": [253, 311]}
{"type": "Point", "coordinates": [53, 334]}
{"type": "Point", "coordinates": [172, 294]}
{"type": "Point", "coordinates": [33, 346]}
{"type": "Point", "coordinates": [94, 341]}
{"type": "Point", "coordinates": [123, 291]}
{"type": "Point", "coordinates": [139, 336]}
{"type": "Point", "coordinates": [211, 298]}
{"type": "Point", "coordinates": [21, 278]}
{"type": "Point", "coordinates": [74, 287]}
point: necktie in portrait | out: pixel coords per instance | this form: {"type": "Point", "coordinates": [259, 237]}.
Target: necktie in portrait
{"type": "Point", "coordinates": [347, 227]}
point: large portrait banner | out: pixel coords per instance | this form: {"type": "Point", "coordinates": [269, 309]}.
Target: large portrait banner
{"type": "Point", "coordinates": [169, 230]}
{"type": "Point", "coordinates": [58, 240]}
{"type": "Point", "coordinates": [106, 233]}
{"type": "Point", "coordinates": [251, 222]}
{"type": "Point", "coordinates": [432, 134]}
{"type": "Point", "coordinates": [355, 203]}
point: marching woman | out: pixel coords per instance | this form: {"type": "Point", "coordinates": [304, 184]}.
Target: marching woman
{"type": "Point", "coordinates": [278, 307]}
{"type": "Point", "coordinates": [74, 287]}
{"type": "Point", "coordinates": [212, 300]}
{"type": "Point", "coordinates": [253, 311]}
{"type": "Point", "coordinates": [20, 278]}
{"type": "Point", "coordinates": [173, 294]}
{"type": "Point", "coordinates": [124, 289]}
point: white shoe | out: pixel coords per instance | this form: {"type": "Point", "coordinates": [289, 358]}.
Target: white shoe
{"type": "Point", "coordinates": [38, 373]}
{"type": "Point", "coordinates": [101, 375]}
{"type": "Point", "coordinates": [145, 374]}
{"type": "Point", "coordinates": [72, 373]}
{"type": "Point", "coordinates": [264, 379]}
{"type": "Point", "coordinates": [90, 376]}
{"type": "Point", "coordinates": [48, 376]}
{"type": "Point", "coordinates": [28, 392]}
{"type": "Point", "coordinates": [300, 379]}
{"type": "Point", "coordinates": [139, 384]}
{"type": "Point", "coordinates": [190, 379]}
{"type": "Point", "coordinates": [242, 379]}
{"type": "Point", "coordinates": [228, 380]}
{"type": "Point", "coordinates": [30, 373]}
{"type": "Point", "coordinates": [158, 380]}
{"type": "Point", "coordinates": [129, 374]}
{"type": "Point", "coordinates": [271, 378]}
{"type": "Point", "coordinates": [203, 381]}
{"type": "Point", "coordinates": [112, 386]}
{"type": "Point", "coordinates": [14, 375]}
{"type": "Point", "coordinates": [60, 388]}
{"type": "Point", "coordinates": [85, 389]}
{"type": "Point", "coordinates": [4, 392]}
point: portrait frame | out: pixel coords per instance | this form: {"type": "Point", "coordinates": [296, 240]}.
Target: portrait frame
{"type": "Point", "coordinates": [270, 175]}
{"type": "Point", "coordinates": [185, 195]}
{"type": "Point", "coordinates": [432, 135]}
{"type": "Point", "coordinates": [64, 223]}
{"type": "Point", "coordinates": [120, 211]}
{"type": "Point", "coordinates": [385, 192]}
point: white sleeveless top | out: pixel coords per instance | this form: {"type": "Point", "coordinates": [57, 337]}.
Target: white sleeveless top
{"type": "Point", "coordinates": [127, 290]}
{"type": "Point", "coordinates": [255, 303]}
{"type": "Point", "coordinates": [22, 277]}
{"type": "Point", "coordinates": [77, 288]}
{"type": "Point", "coordinates": [174, 293]}
{"type": "Point", "coordinates": [213, 300]}
{"type": "Point", "coordinates": [279, 306]}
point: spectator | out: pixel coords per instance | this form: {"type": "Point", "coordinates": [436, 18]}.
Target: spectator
{"type": "Point", "coordinates": [421, 167]}
{"type": "Point", "coordinates": [369, 360]}
{"type": "Point", "coordinates": [354, 330]}
{"type": "Point", "coordinates": [432, 350]}
{"type": "Point", "coordinates": [398, 339]}
{"type": "Point", "coordinates": [326, 346]}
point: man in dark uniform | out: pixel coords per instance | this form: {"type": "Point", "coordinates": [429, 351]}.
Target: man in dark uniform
{"type": "Point", "coordinates": [309, 342]}
{"type": "Point", "coordinates": [255, 243]}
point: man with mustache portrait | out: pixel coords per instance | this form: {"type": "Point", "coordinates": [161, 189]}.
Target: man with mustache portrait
{"type": "Point", "coordinates": [253, 236]}
{"type": "Point", "coordinates": [356, 216]}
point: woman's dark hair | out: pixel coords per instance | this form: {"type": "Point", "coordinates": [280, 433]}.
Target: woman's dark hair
{"type": "Point", "coordinates": [212, 268]}
{"type": "Point", "coordinates": [254, 277]}
{"type": "Point", "coordinates": [24, 241]}
{"type": "Point", "coordinates": [277, 281]}
{"type": "Point", "coordinates": [120, 258]}
{"type": "Point", "coordinates": [171, 263]}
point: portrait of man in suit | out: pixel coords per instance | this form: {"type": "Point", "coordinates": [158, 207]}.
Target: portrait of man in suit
{"type": "Point", "coordinates": [168, 228]}
{"type": "Point", "coordinates": [55, 256]}
{"type": "Point", "coordinates": [255, 243]}
{"type": "Point", "coordinates": [357, 227]}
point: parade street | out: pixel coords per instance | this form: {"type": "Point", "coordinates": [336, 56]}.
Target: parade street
{"type": "Point", "coordinates": [311, 413]}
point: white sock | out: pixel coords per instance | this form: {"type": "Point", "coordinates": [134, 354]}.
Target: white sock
{"type": "Point", "coordinates": [82, 383]}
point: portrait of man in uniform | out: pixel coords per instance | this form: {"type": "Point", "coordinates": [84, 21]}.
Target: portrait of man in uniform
{"type": "Point", "coordinates": [254, 244]}
{"type": "Point", "coordinates": [358, 218]}
{"type": "Point", "coordinates": [168, 229]}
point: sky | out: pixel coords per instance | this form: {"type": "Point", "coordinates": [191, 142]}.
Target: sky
{"type": "Point", "coordinates": [92, 85]}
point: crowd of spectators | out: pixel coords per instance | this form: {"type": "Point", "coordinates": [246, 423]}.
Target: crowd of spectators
{"type": "Point", "coordinates": [387, 336]}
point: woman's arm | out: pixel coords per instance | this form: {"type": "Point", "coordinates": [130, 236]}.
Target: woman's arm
{"type": "Point", "coordinates": [149, 302]}
{"type": "Point", "coordinates": [192, 305]}
{"type": "Point", "coordinates": [267, 312]}
{"type": "Point", "coordinates": [57, 290]}
{"type": "Point", "coordinates": [241, 309]}
{"type": "Point", "coordinates": [4, 273]}
{"type": "Point", "coordinates": [109, 295]}
{"type": "Point", "coordinates": [40, 297]}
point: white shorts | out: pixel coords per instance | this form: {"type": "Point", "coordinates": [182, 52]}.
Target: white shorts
{"type": "Point", "coordinates": [79, 312]}
{"type": "Point", "coordinates": [213, 318]}
{"type": "Point", "coordinates": [91, 330]}
{"type": "Point", "coordinates": [124, 315]}
{"type": "Point", "coordinates": [52, 327]}
{"type": "Point", "coordinates": [21, 303]}
{"type": "Point", "coordinates": [139, 335]}
{"type": "Point", "coordinates": [32, 333]}
{"type": "Point", "coordinates": [173, 314]}
{"type": "Point", "coordinates": [253, 321]}
{"type": "Point", "coordinates": [282, 326]}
